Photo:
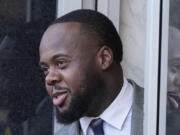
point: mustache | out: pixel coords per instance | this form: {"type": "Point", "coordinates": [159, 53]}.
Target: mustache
{"type": "Point", "coordinates": [61, 88]}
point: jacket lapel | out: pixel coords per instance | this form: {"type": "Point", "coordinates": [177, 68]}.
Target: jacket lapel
{"type": "Point", "coordinates": [70, 129]}
{"type": "Point", "coordinates": [137, 110]}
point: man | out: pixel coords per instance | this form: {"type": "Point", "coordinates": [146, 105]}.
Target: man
{"type": "Point", "coordinates": [173, 69]}
{"type": "Point", "coordinates": [80, 54]}
{"type": "Point", "coordinates": [173, 102]}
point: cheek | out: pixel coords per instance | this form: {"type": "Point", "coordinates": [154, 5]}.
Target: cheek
{"type": "Point", "coordinates": [75, 82]}
{"type": "Point", "coordinates": [49, 89]}
{"type": "Point", "coordinates": [170, 83]}
{"type": "Point", "coordinates": [178, 76]}
{"type": "Point", "coordinates": [177, 80]}
{"type": "Point", "coordinates": [74, 79]}
{"type": "Point", "coordinates": [171, 77]}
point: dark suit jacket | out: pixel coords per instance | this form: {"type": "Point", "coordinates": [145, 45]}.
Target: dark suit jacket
{"type": "Point", "coordinates": [41, 122]}
{"type": "Point", "coordinates": [136, 122]}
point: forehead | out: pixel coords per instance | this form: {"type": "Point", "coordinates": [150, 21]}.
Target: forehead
{"type": "Point", "coordinates": [59, 34]}
{"type": "Point", "coordinates": [66, 38]}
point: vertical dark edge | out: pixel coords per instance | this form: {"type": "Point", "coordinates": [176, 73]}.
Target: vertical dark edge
{"type": "Point", "coordinates": [53, 119]}
{"type": "Point", "coordinates": [53, 109]}
{"type": "Point", "coordinates": [56, 9]}
{"type": "Point", "coordinates": [28, 11]}
{"type": "Point", "coordinates": [96, 5]}
{"type": "Point", "coordinates": [159, 63]}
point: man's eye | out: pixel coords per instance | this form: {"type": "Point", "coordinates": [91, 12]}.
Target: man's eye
{"type": "Point", "coordinates": [62, 63]}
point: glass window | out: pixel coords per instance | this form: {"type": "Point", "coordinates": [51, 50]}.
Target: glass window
{"type": "Point", "coordinates": [25, 108]}
{"type": "Point", "coordinates": [173, 85]}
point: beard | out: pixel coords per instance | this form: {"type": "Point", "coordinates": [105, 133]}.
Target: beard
{"type": "Point", "coordinates": [86, 103]}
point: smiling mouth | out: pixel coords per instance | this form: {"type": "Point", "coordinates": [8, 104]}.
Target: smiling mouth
{"type": "Point", "coordinates": [59, 97]}
{"type": "Point", "coordinates": [173, 98]}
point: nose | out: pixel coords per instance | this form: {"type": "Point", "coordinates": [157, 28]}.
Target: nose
{"type": "Point", "coordinates": [177, 79]}
{"type": "Point", "coordinates": [53, 77]}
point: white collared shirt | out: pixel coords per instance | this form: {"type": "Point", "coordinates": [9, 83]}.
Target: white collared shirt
{"type": "Point", "coordinates": [117, 117]}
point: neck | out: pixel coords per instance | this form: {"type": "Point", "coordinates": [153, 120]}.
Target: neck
{"type": "Point", "coordinates": [112, 86]}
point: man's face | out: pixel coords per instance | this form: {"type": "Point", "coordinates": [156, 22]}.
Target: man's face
{"type": "Point", "coordinates": [174, 69]}
{"type": "Point", "coordinates": [69, 61]}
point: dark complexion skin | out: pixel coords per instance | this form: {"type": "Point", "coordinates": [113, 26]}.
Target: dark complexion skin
{"type": "Point", "coordinates": [80, 74]}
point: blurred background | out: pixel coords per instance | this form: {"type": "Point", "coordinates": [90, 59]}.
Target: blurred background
{"type": "Point", "coordinates": [25, 108]}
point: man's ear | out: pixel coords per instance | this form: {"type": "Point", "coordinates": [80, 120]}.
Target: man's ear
{"type": "Point", "coordinates": [105, 57]}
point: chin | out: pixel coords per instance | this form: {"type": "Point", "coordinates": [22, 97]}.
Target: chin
{"type": "Point", "coordinates": [62, 109]}
{"type": "Point", "coordinates": [65, 116]}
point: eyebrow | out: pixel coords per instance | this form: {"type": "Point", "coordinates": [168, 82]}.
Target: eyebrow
{"type": "Point", "coordinates": [54, 57]}
{"type": "Point", "coordinates": [60, 55]}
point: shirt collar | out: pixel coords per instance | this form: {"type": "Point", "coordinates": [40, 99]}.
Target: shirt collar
{"type": "Point", "coordinates": [84, 122]}
{"type": "Point", "coordinates": [116, 113]}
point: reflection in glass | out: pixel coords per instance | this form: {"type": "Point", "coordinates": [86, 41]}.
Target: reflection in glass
{"type": "Point", "coordinates": [173, 102]}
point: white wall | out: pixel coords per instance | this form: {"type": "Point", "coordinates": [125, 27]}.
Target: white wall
{"type": "Point", "coordinates": [133, 35]}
